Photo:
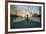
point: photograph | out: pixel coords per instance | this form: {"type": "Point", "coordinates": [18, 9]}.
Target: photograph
{"type": "Point", "coordinates": [25, 16]}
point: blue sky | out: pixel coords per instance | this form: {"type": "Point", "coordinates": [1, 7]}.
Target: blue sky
{"type": "Point", "coordinates": [35, 9]}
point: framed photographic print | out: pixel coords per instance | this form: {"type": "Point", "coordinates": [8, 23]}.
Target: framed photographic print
{"type": "Point", "coordinates": [26, 16]}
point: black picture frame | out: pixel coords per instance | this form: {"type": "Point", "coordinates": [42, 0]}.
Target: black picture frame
{"type": "Point", "coordinates": [6, 15]}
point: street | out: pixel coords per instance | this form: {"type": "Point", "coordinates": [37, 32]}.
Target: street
{"type": "Point", "coordinates": [22, 23]}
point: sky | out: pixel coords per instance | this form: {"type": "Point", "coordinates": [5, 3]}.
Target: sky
{"type": "Point", "coordinates": [25, 8]}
